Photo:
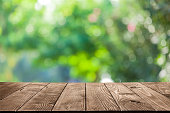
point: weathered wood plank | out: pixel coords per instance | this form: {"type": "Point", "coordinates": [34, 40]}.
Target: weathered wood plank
{"type": "Point", "coordinates": [155, 99]}
{"type": "Point", "coordinates": [38, 83]}
{"type": "Point", "coordinates": [126, 99]}
{"type": "Point", "coordinates": [98, 98]}
{"type": "Point", "coordinates": [5, 83]}
{"type": "Point", "coordinates": [14, 101]}
{"type": "Point", "coordinates": [10, 88]}
{"type": "Point", "coordinates": [45, 99]}
{"type": "Point", "coordinates": [161, 87]}
{"type": "Point", "coordinates": [72, 98]}
{"type": "Point", "coordinates": [75, 96]}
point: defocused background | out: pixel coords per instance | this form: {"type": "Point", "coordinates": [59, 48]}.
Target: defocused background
{"type": "Point", "coordinates": [84, 40]}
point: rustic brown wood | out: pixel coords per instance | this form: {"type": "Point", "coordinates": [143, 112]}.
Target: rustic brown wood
{"type": "Point", "coordinates": [155, 99]}
{"type": "Point", "coordinates": [39, 83]}
{"type": "Point", "coordinates": [98, 98]}
{"type": "Point", "coordinates": [45, 99]}
{"type": "Point", "coordinates": [5, 83]}
{"type": "Point", "coordinates": [8, 89]}
{"type": "Point", "coordinates": [161, 87]}
{"type": "Point", "coordinates": [72, 98]}
{"type": "Point", "coordinates": [126, 99]}
{"type": "Point", "coordinates": [14, 101]}
{"type": "Point", "coordinates": [149, 96]}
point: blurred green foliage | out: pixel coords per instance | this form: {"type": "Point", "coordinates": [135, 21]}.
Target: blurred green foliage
{"type": "Point", "coordinates": [128, 40]}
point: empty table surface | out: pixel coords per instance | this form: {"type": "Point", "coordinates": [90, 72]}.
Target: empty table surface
{"type": "Point", "coordinates": [129, 96]}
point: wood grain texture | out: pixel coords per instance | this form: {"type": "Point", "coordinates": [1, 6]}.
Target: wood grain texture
{"type": "Point", "coordinates": [10, 88]}
{"type": "Point", "coordinates": [130, 96]}
{"type": "Point", "coordinates": [39, 83]}
{"type": "Point", "coordinates": [161, 87]}
{"type": "Point", "coordinates": [14, 101]}
{"type": "Point", "coordinates": [155, 99]}
{"type": "Point", "coordinates": [98, 98]}
{"type": "Point", "coordinates": [126, 99]}
{"type": "Point", "coordinates": [5, 83]}
{"type": "Point", "coordinates": [45, 99]}
{"type": "Point", "coordinates": [72, 98]}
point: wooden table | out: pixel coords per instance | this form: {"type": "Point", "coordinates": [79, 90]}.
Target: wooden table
{"type": "Point", "coordinates": [146, 96]}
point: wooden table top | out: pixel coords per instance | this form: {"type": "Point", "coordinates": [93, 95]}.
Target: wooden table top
{"type": "Point", "coordinates": [143, 96]}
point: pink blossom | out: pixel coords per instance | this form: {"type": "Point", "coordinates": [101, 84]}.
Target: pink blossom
{"type": "Point", "coordinates": [131, 27]}
{"type": "Point", "coordinates": [92, 18]}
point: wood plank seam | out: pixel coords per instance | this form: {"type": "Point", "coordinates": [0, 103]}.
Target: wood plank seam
{"type": "Point", "coordinates": [112, 96]}
{"type": "Point", "coordinates": [163, 88]}
{"type": "Point", "coordinates": [99, 99]}
{"type": "Point", "coordinates": [102, 99]}
{"type": "Point", "coordinates": [16, 91]}
{"type": "Point", "coordinates": [59, 96]}
{"type": "Point", "coordinates": [45, 99]}
{"type": "Point", "coordinates": [72, 98]}
{"type": "Point", "coordinates": [159, 107]}
{"type": "Point", "coordinates": [137, 94]}
{"type": "Point", "coordinates": [31, 97]}
{"type": "Point", "coordinates": [152, 89]}
{"type": "Point", "coordinates": [126, 99]}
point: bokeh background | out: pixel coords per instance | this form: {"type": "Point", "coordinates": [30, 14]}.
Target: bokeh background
{"type": "Point", "coordinates": [84, 40]}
